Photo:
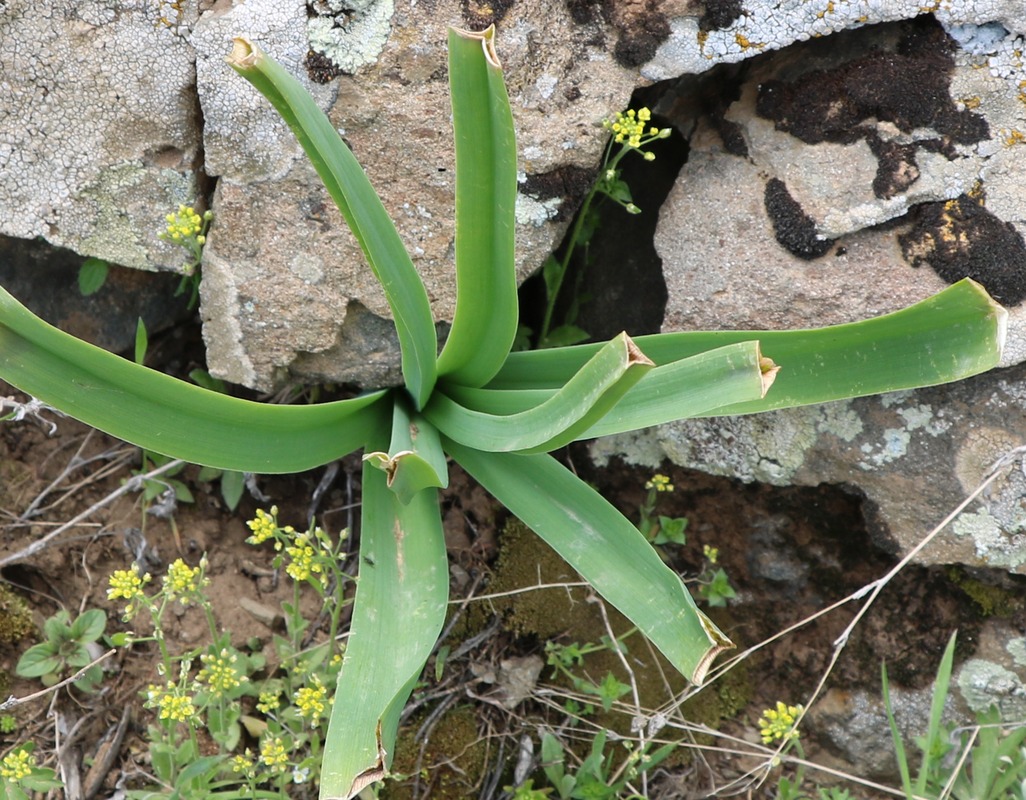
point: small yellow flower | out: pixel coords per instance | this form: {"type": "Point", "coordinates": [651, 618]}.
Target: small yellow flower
{"type": "Point", "coordinates": [268, 702]}
{"type": "Point", "coordinates": [779, 723]}
{"type": "Point", "coordinates": [243, 763]}
{"type": "Point", "coordinates": [273, 755]}
{"type": "Point", "coordinates": [183, 224]}
{"type": "Point", "coordinates": [310, 700]}
{"type": "Point", "coordinates": [629, 127]}
{"type": "Point", "coordinates": [126, 584]}
{"type": "Point", "coordinates": [219, 673]}
{"type": "Point", "coordinates": [263, 526]}
{"type": "Point", "coordinates": [303, 565]}
{"type": "Point", "coordinates": [711, 553]}
{"type": "Point", "coordinates": [17, 765]}
{"type": "Point", "coordinates": [660, 483]}
{"type": "Point", "coordinates": [169, 703]}
{"type": "Point", "coordinates": [181, 579]}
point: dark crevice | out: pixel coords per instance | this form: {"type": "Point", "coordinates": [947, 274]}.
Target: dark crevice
{"type": "Point", "coordinates": [618, 276]}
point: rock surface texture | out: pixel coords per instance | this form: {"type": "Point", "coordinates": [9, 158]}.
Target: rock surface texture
{"type": "Point", "coordinates": [99, 127]}
{"type": "Point", "coordinates": [835, 177]}
{"type": "Point", "coordinates": [114, 115]}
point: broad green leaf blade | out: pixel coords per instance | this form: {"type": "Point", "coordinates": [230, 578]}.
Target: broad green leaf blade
{"type": "Point", "coordinates": [485, 322]}
{"type": "Point", "coordinates": [954, 334]}
{"type": "Point", "coordinates": [415, 459]}
{"type": "Point", "coordinates": [602, 545]}
{"type": "Point", "coordinates": [348, 186]}
{"type": "Point", "coordinates": [691, 387]}
{"type": "Point", "coordinates": [172, 417]}
{"type": "Point", "coordinates": [398, 613]}
{"type": "Point", "coordinates": [586, 397]}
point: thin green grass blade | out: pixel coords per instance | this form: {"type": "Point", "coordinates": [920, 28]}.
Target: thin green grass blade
{"type": "Point", "coordinates": [348, 186]}
{"type": "Point", "coordinates": [398, 614]}
{"type": "Point", "coordinates": [687, 388]}
{"type": "Point", "coordinates": [899, 743]}
{"type": "Point", "coordinates": [172, 417]}
{"type": "Point", "coordinates": [604, 547]}
{"type": "Point", "coordinates": [933, 730]}
{"type": "Point", "coordinates": [954, 334]}
{"type": "Point", "coordinates": [415, 460]}
{"type": "Point", "coordinates": [586, 397]}
{"type": "Point", "coordinates": [486, 187]}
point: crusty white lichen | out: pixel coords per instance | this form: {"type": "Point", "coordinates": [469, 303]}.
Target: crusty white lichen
{"type": "Point", "coordinates": [352, 33]}
{"type": "Point", "coordinates": [984, 684]}
{"type": "Point", "coordinates": [80, 118]}
{"type": "Point", "coordinates": [772, 24]}
{"type": "Point", "coordinates": [530, 211]}
{"type": "Point", "coordinates": [994, 546]}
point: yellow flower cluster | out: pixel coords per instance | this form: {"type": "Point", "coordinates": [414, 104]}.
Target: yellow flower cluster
{"type": "Point", "coordinates": [268, 702]}
{"type": "Point", "coordinates": [183, 224]}
{"type": "Point", "coordinates": [263, 526]}
{"type": "Point", "coordinates": [711, 553]}
{"type": "Point", "coordinates": [273, 755]}
{"type": "Point", "coordinates": [303, 565]}
{"type": "Point", "coordinates": [181, 579]}
{"type": "Point", "coordinates": [779, 723]}
{"type": "Point", "coordinates": [660, 483]}
{"type": "Point", "coordinates": [310, 700]}
{"type": "Point", "coordinates": [219, 673]}
{"type": "Point", "coordinates": [242, 763]}
{"type": "Point", "coordinates": [171, 705]}
{"type": "Point", "coordinates": [126, 584]}
{"type": "Point", "coordinates": [17, 765]}
{"type": "Point", "coordinates": [628, 127]}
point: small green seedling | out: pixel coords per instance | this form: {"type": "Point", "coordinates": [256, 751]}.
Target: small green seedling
{"type": "Point", "coordinates": [66, 650]}
{"type": "Point", "coordinates": [92, 275]}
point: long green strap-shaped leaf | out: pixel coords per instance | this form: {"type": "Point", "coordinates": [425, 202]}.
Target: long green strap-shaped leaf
{"type": "Point", "coordinates": [415, 459]}
{"type": "Point", "coordinates": [348, 186]}
{"type": "Point", "coordinates": [575, 407]}
{"type": "Point", "coordinates": [171, 417]}
{"type": "Point", "coordinates": [398, 612]}
{"type": "Point", "coordinates": [486, 187]}
{"type": "Point", "coordinates": [606, 549]}
{"type": "Point", "coordinates": [954, 334]}
{"type": "Point", "coordinates": [691, 387]}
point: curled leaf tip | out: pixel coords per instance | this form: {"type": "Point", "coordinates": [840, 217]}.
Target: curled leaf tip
{"type": "Point", "coordinates": [487, 39]}
{"type": "Point", "coordinates": [769, 370]}
{"type": "Point", "coordinates": [634, 354]}
{"type": "Point", "coordinates": [244, 54]}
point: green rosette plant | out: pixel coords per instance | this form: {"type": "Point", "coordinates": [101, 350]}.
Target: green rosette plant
{"type": "Point", "coordinates": [496, 413]}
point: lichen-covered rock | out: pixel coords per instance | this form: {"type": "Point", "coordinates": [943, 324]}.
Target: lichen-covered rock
{"type": "Point", "coordinates": [99, 127]}
{"type": "Point", "coordinates": [113, 116]}
{"type": "Point", "coordinates": [286, 291]}
{"type": "Point", "coordinates": [913, 455]}
{"type": "Point", "coordinates": [728, 31]}
{"type": "Point", "coordinates": [844, 178]}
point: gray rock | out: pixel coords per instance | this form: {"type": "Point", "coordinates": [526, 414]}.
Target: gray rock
{"type": "Point", "coordinates": [853, 724]}
{"type": "Point", "coordinates": [728, 32]}
{"type": "Point", "coordinates": [914, 455]}
{"type": "Point", "coordinates": [282, 274]}
{"type": "Point", "coordinates": [106, 118]}
{"type": "Point", "coordinates": [787, 217]}
{"type": "Point", "coordinates": [99, 130]}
